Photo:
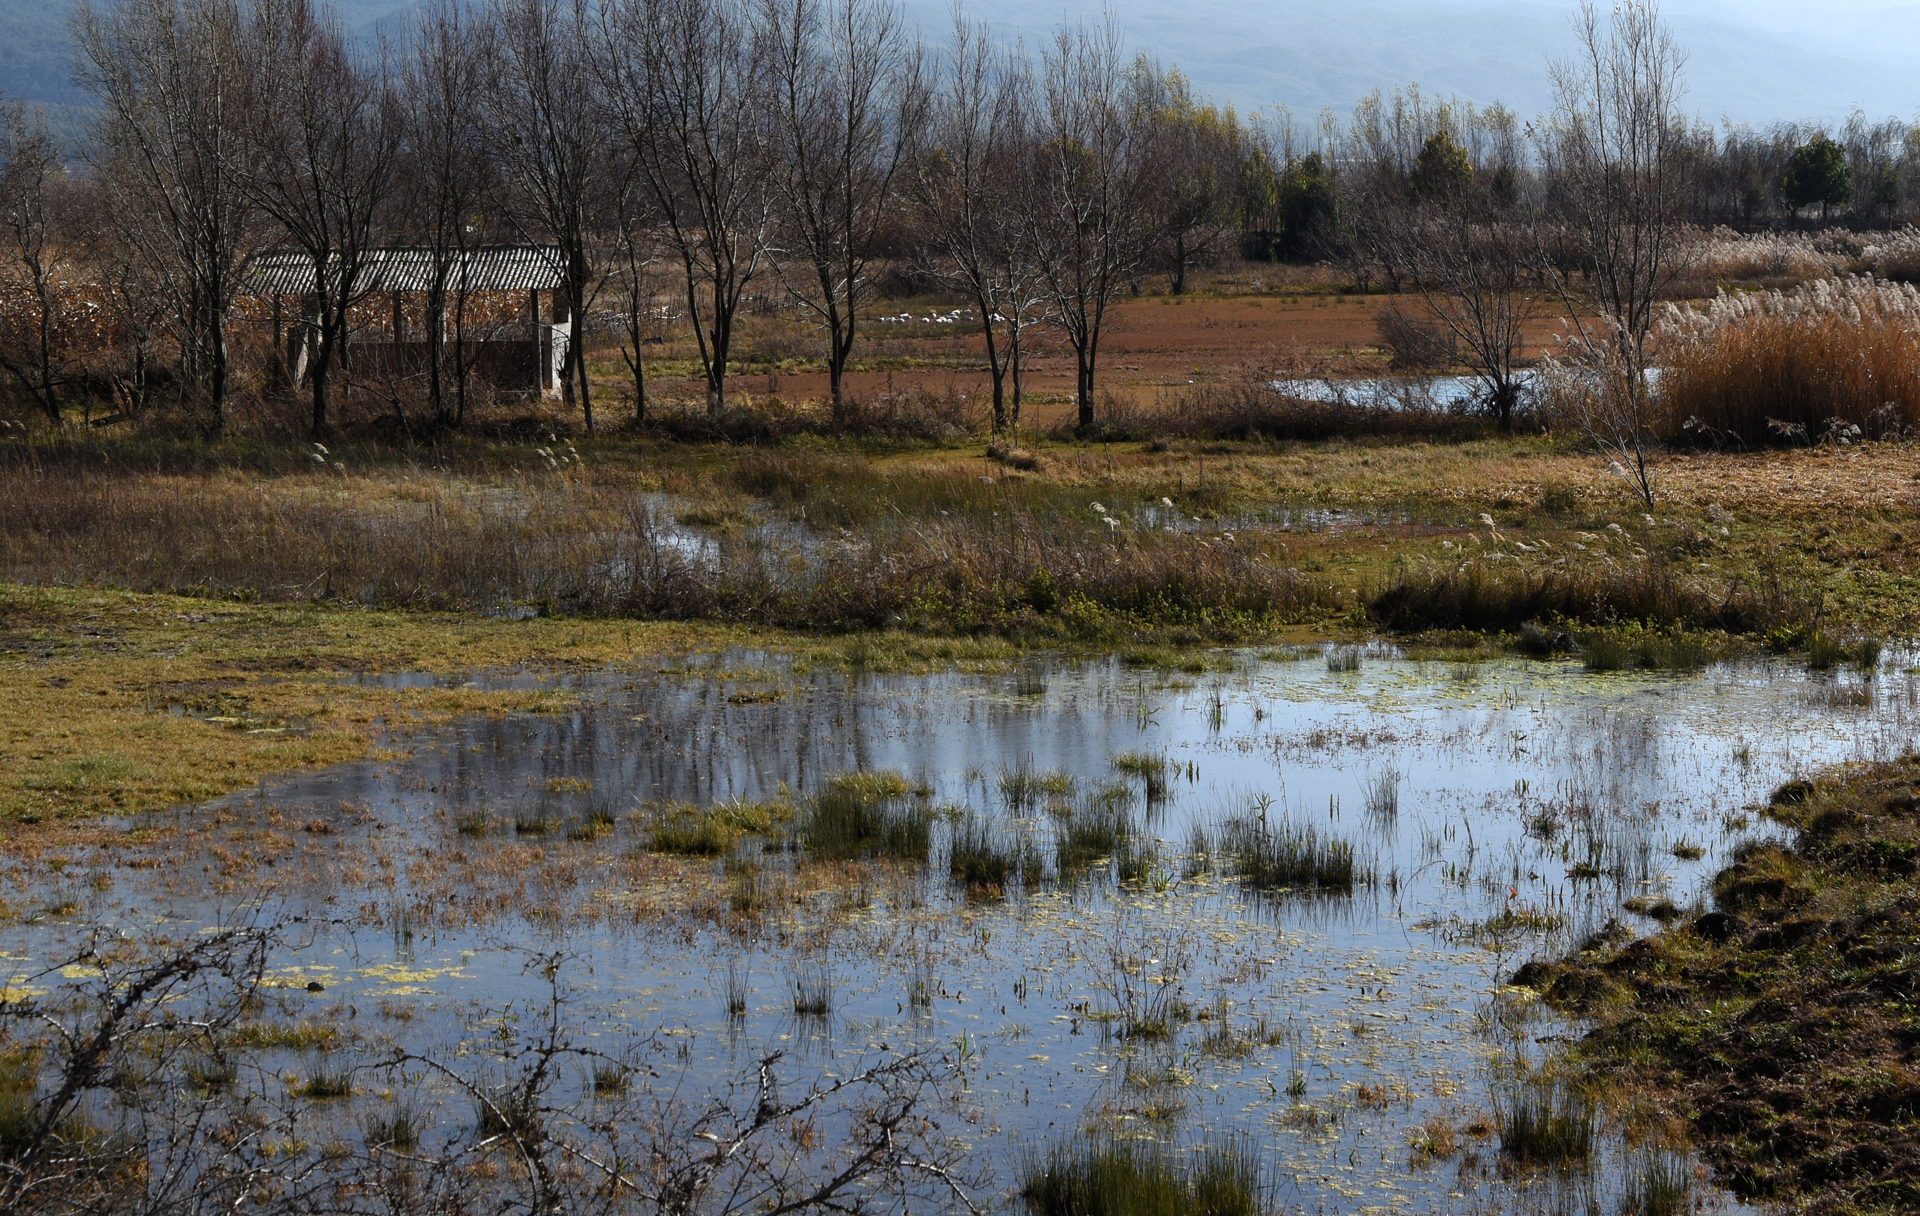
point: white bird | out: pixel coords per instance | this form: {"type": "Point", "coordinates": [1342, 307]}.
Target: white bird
{"type": "Point", "coordinates": [1098, 509]}
{"type": "Point", "coordinates": [1166, 502]}
{"type": "Point", "coordinates": [321, 446]}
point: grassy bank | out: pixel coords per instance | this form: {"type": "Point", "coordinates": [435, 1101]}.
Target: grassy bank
{"type": "Point", "coordinates": [121, 702]}
{"type": "Point", "coordinates": [1062, 543]}
{"type": "Point", "coordinates": [178, 624]}
{"type": "Point", "coordinates": [1781, 1025]}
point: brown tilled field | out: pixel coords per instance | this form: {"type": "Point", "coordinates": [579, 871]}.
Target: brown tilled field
{"type": "Point", "coordinates": [1154, 346]}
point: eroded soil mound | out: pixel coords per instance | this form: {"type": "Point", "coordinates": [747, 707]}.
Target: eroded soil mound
{"type": "Point", "coordinates": [1783, 1026]}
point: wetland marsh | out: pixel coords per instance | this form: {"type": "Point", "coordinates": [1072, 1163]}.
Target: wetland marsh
{"type": "Point", "coordinates": [1273, 901]}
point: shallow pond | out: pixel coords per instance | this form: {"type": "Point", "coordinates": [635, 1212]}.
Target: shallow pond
{"type": "Point", "coordinates": [1494, 811]}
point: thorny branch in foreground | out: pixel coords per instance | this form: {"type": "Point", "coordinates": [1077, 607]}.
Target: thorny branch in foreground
{"type": "Point", "coordinates": [133, 1093]}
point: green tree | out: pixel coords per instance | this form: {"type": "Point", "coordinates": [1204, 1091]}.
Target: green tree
{"type": "Point", "coordinates": [1443, 169]}
{"type": "Point", "coordinates": [1818, 173]}
{"type": "Point", "coordinates": [1309, 206]}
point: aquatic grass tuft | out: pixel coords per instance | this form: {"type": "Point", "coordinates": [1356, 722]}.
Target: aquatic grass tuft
{"type": "Point", "coordinates": [1268, 856]}
{"type": "Point", "coordinates": [869, 815]}
{"type": "Point", "coordinates": [211, 1073]}
{"type": "Point", "coordinates": [710, 831]}
{"type": "Point", "coordinates": [738, 989]}
{"type": "Point", "coordinates": [1098, 829]}
{"type": "Point", "coordinates": [1116, 1177]}
{"type": "Point", "coordinates": [294, 1036]}
{"type": "Point", "coordinates": [611, 1079]}
{"type": "Point", "coordinates": [1343, 660]}
{"type": "Point", "coordinates": [1023, 789]}
{"type": "Point", "coordinates": [398, 1129]}
{"type": "Point", "coordinates": [325, 1083]}
{"type": "Point", "coordinates": [1660, 1183]}
{"type": "Point", "coordinates": [1382, 793]}
{"type": "Point", "coordinates": [1543, 1120]}
{"type": "Point", "coordinates": [1151, 769]}
{"type": "Point", "coordinates": [978, 857]}
{"type": "Point", "coordinates": [473, 823]}
{"type": "Point", "coordinates": [813, 993]}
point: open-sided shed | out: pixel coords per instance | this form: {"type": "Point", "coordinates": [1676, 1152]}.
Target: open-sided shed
{"type": "Point", "coordinates": [525, 354]}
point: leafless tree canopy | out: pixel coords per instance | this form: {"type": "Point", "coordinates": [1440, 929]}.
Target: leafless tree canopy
{"type": "Point", "coordinates": [695, 161]}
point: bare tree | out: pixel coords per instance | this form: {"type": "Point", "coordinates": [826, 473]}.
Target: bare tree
{"type": "Point", "coordinates": [447, 180]}
{"type": "Point", "coordinates": [170, 145]}
{"type": "Point", "coordinates": [1614, 151]}
{"type": "Point", "coordinates": [140, 1040]}
{"type": "Point", "coordinates": [35, 347]}
{"type": "Point", "coordinates": [686, 87]}
{"type": "Point", "coordinates": [550, 141]}
{"type": "Point", "coordinates": [1088, 223]}
{"type": "Point", "coordinates": [327, 132]}
{"type": "Point", "coordinates": [1460, 234]}
{"type": "Point", "coordinates": [966, 179]}
{"type": "Point", "coordinates": [636, 265]}
{"type": "Point", "coordinates": [845, 100]}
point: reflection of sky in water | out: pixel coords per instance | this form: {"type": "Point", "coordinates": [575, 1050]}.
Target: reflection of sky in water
{"type": "Point", "coordinates": [1390, 990]}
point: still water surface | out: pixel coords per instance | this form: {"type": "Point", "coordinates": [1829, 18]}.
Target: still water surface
{"type": "Point", "coordinates": [1478, 794]}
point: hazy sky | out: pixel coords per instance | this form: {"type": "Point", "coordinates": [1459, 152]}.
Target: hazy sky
{"type": "Point", "coordinates": [1757, 61]}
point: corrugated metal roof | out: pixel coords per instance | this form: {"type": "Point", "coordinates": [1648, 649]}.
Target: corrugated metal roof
{"type": "Point", "coordinates": [411, 268]}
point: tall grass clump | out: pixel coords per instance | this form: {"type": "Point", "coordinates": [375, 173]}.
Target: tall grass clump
{"type": "Point", "coordinates": [1779, 367]}
{"type": "Point", "coordinates": [1544, 1121]}
{"type": "Point", "coordinates": [1268, 856]}
{"type": "Point", "coordinates": [978, 856]}
{"type": "Point", "coordinates": [1096, 830]}
{"type": "Point", "coordinates": [710, 831]}
{"type": "Point", "coordinates": [1149, 768]}
{"type": "Point", "coordinates": [19, 1112]}
{"type": "Point", "coordinates": [868, 815]}
{"type": "Point", "coordinates": [813, 993]}
{"type": "Point", "coordinates": [1113, 1177]}
{"type": "Point", "coordinates": [1659, 1184]}
{"type": "Point", "coordinates": [1653, 593]}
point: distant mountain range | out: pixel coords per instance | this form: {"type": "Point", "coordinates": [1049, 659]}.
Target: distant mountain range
{"type": "Point", "coordinates": [1758, 62]}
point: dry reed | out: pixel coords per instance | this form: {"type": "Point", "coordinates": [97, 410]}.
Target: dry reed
{"type": "Point", "coordinates": [1808, 364]}
{"type": "Point", "coordinates": [572, 545]}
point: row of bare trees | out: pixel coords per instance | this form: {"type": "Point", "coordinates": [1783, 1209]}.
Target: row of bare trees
{"type": "Point", "coordinates": [718, 153]}
{"type": "Point", "coordinates": [709, 152]}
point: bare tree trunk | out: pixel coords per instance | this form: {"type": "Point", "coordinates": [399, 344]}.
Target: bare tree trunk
{"type": "Point", "coordinates": [685, 82]}
{"type": "Point", "coordinates": [1615, 152]}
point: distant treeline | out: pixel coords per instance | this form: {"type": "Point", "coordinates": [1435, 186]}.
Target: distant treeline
{"type": "Point", "coordinates": [692, 158]}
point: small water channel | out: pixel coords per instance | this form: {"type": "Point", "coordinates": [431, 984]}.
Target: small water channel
{"type": "Point", "coordinates": [1503, 809]}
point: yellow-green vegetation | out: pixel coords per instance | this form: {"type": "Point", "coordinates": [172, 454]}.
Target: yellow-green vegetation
{"type": "Point", "coordinates": [875, 814]}
{"type": "Point", "coordinates": [1133, 1177]}
{"type": "Point", "coordinates": [120, 702]}
{"type": "Point", "coordinates": [709, 831]}
{"type": "Point", "coordinates": [1781, 1026]}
